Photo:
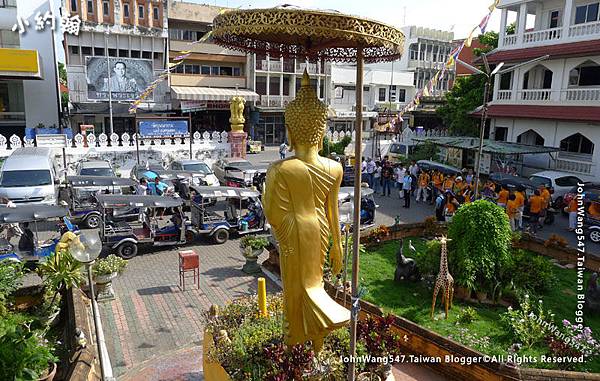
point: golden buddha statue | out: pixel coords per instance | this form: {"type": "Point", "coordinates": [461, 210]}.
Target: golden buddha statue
{"type": "Point", "coordinates": [301, 204]}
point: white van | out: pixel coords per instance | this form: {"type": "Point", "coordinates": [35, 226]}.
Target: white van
{"type": "Point", "coordinates": [28, 176]}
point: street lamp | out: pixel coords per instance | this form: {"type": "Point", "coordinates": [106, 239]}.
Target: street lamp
{"type": "Point", "coordinates": [489, 74]}
{"type": "Point", "coordinates": [85, 249]}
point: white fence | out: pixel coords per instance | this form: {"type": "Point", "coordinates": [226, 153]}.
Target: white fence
{"type": "Point", "coordinates": [120, 150]}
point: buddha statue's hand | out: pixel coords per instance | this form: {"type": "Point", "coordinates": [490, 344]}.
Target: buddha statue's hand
{"type": "Point", "coordinates": [335, 257]}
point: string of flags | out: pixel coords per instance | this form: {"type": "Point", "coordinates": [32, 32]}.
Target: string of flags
{"type": "Point", "coordinates": [429, 88]}
{"type": "Point", "coordinates": [171, 66]}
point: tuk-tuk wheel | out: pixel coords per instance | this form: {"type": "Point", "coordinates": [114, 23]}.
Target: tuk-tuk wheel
{"type": "Point", "coordinates": [595, 235]}
{"type": "Point", "coordinates": [127, 250]}
{"type": "Point", "coordinates": [92, 221]}
{"type": "Point", "coordinates": [190, 236]}
{"type": "Point", "coordinates": [221, 236]}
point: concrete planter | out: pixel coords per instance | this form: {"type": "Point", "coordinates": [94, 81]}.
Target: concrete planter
{"type": "Point", "coordinates": [104, 289]}
{"type": "Point", "coordinates": [251, 266]}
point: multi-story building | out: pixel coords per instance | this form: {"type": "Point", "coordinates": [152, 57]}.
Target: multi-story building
{"type": "Point", "coordinates": [276, 81]}
{"type": "Point", "coordinates": [122, 46]}
{"type": "Point", "coordinates": [28, 72]}
{"type": "Point", "coordinates": [552, 95]}
{"type": "Point", "coordinates": [426, 51]}
{"type": "Point", "coordinates": [383, 91]}
{"type": "Point", "coordinates": [208, 78]}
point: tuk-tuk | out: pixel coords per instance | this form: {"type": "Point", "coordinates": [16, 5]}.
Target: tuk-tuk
{"type": "Point", "coordinates": [32, 214]}
{"type": "Point", "coordinates": [81, 196]}
{"type": "Point", "coordinates": [367, 206]}
{"type": "Point", "coordinates": [124, 237]}
{"type": "Point", "coordinates": [220, 211]}
{"type": "Point", "coordinates": [592, 216]}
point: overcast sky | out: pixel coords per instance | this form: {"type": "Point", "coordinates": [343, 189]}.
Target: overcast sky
{"type": "Point", "coordinates": [457, 15]}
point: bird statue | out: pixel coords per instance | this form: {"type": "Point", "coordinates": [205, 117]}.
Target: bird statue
{"type": "Point", "coordinates": [80, 339]}
{"type": "Point", "coordinates": [411, 247]}
{"type": "Point", "coordinates": [406, 268]}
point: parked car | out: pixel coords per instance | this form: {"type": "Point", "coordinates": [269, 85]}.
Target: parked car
{"type": "Point", "coordinates": [199, 169]}
{"type": "Point", "coordinates": [589, 188]}
{"type": "Point", "coordinates": [428, 165]}
{"type": "Point", "coordinates": [95, 168]}
{"type": "Point", "coordinates": [234, 172]}
{"type": "Point", "coordinates": [560, 182]}
{"type": "Point", "coordinates": [29, 176]}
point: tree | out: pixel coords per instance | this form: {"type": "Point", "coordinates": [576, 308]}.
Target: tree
{"type": "Point", "coordinates": [62, 78]}
{"type": "Point", "coordinates": [466, 95]}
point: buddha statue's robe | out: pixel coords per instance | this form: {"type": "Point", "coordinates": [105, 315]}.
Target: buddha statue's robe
{"type": "Point", "coordinates": [301, 205]}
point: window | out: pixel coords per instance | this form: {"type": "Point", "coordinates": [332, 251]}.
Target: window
{"type": "Point", "coordinates": [506, 81]}
{"type": "Point", "coordinates": [112, 52]}
{"type": "Point", "coordinates": [261, 85]}
{"type": "Point", "coordinates": [567, 181]}
{"type": "Point", "coordinates": [86, 50]}
{"type": "Point", "coordinates": [105, 8]}
{"type": "Point", "coordinates": [126, 10]}
{"type": "Point", "coordinates": [186, 35]}
{"type": "Point", "coordinates": [547, 84]}
{"type": "Point", "coordinates": [74, 5]}
{"type": "Point", "coordinates": [205, 70]}
{"type": "Point", "coordinates": [74, 49]}
{"type": "Point", "coordinates": [98, 51]}
{"type": "Point", "coordinates": [146, 54]}
{"type": "Point", "coordinates": [237, 72]}
{"type": "Point", "coordinates": [90, 6]}
{"type": "Point", "coordinates": [274, 86]}
{"type": "Point", "coordinates": [577, 143]}
{"type": "Point", "coordinates": [382, 94]}
{"type": "Point", "coordinates": [214, 70]}
{"type": "Point", "coordinates": [501, 134]}
{"type": "Point", "coordinates": [401, 95]}
{"type": "Point", "coordinates": [123, 53]}
{"type": "Point", "coordinates": [586, 13]}
{"type": "Point", "coordinates": [179, 69]}
{"type": "Point", "coordinates": [554, 19]}
{"type": "Point", "coordinates": [226, 70]}
{"type": "Point", "coordinates": [155, 13]}
{"type": "Point", "coordinates": [141, 11]}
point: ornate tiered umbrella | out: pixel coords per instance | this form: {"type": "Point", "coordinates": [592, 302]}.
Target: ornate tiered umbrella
{"type": "Point", "coordinates": [315, 35]}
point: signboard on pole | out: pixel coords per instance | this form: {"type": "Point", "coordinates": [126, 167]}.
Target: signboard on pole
{"type": "Point", "coordinates": [161, 128]}
{"type": "Point", "coordinates": [52, 141]}
{"type": "Point", "coordinates": [486, 163]}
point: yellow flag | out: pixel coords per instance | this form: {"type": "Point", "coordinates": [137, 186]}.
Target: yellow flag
{"type": "Point", "coordinates": [469, 40]}
{"type": "Point", "coordinates": [494, 6]}
{"type": "Point", "coordinates": [450, 62]}
{"type": "Point", "coordinates": [426, 91]}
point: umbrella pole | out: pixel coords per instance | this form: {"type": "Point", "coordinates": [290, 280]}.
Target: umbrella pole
{"type": "Point", "coordinates": [356, 217]}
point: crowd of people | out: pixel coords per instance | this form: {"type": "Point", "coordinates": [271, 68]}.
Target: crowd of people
{"type": "Point", "coordinates": [449, 192]}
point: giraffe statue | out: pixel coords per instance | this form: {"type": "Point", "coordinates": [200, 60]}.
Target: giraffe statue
{"type": "Point", "coordinates": [444, 280]}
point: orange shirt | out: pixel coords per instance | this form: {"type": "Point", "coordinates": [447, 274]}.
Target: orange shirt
{"type": "Point", "coordinates": [503, 196]}
{"type": "Point", "coordinates": [448, 183]}
{"type": "Point", "coordinates": [594, 209]}
{"type": "Point", "coordinates": [511, 208]}
{"type": "Point", "coordinates": [423, 179]}
{"type": "Point", "coordinates": [536, 204]}
{"type": "Point", "coordinates": [438, 179]}
{"type": "Point", "coordinates": [573, 205]}
{"type": "Point", "coordinates": [545, 193]}
{"type": "Point", "coordinates": [520, 199]}
{"type": "Point", "coordinates": [450, 208]}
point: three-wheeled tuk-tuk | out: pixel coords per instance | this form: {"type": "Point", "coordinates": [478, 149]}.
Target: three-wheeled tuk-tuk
{"type": "Point", "coordinates": [220, 211]}
{"type": "Point", "coordinates": [29, 217]}
{"type": "Point", "coordinates": [124, 237]}
{"type": "Point", "coordinates": [592, 215]}
{"type": "Point", "coordinates": [367, 206]}
{"type": "Point", "coordinates": [81, 194]}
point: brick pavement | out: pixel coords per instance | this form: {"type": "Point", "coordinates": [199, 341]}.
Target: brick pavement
{"type": "Point", "coordinates": [152, 317]}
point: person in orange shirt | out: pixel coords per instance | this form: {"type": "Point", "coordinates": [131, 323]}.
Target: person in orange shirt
{"type": "Point", "coordinates": [546, 195]}
{"type": "Point", "coordinates": [511, 211]}
{"type": "Point", "coordinates": [594, 210]}
{"type": "Point", "coordinates": [449, 183]}
{"type": "Point", "coordinates": [572, 210]}
{"type": "Point", "coordinates": [438, 182]}
{"type": "Point", "coordinates": [459, 185]}
{"type": "Point", "coordinates": [520, 200]}
{"type": "Point", "coordinates": [451, 206]}
{"type": "Point", "coordinates": [503, 197]}
{"type": "Point", "coordinates": [536, 206]}
{"type": "Point", "coordinates": [422, 188]}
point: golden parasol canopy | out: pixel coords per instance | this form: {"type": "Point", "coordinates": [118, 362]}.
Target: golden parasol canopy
{"type": "Point", "coordinates": [308, 34]}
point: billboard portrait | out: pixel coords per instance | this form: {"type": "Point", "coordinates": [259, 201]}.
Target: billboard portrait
{"type": "Point", "coordinates": [128, 77]}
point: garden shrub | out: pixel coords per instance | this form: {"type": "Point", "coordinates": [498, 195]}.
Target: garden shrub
{"type": "Point", "coordinates": [467, 315]}
{"type": "Point", "coordinates": [532, 272]}
{"type": "Point", "coordinates": [428, 261]}
{"type": "Point", "coordinates": [479, 253]}
{"type": "Point", "coordinates": [11, 274]}
{"type": "Point", "coordinates": [528, 324]}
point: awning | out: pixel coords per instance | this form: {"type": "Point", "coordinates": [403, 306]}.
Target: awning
{"type": "Point", "coordinates": [489, 146]}
{"type": "Point", "coordinates": [211, 93]}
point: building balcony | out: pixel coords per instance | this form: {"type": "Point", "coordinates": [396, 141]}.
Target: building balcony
{"type": "Point", "coordinates": [574, 96]}
{"type": "Point", "coordinates": [574, 163]}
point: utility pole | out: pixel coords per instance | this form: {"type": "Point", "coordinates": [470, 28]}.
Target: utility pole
{"type": "Point", "coordinates": [110, 110]}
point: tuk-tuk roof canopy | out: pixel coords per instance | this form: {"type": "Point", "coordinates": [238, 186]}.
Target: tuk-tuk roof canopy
{"type": "Point", "coordinates": [207, 191]}
{"type": "Point", "coordinates": [167, 174]}
{"type": "Point", "coordinates": [30, 213]}
{"type": "Point", "coordinates": [489, 146]}
{"type": "Point", "coordinates": [349, 192]}
{"type": "Point", "coordinates": [99, 181]}
{"type": "Point", "coordinates": [120, 201]}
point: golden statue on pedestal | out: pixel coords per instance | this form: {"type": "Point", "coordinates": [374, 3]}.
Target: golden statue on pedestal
{"type": "Point", "coordinates": [237, 120]}
{"type": "Point", "coordinates": [301, 204]}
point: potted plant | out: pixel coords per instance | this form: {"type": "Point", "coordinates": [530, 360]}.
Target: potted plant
{"type": "Point", "coordinates": [105, 270]}
{"type": "Point", "coordinates": [380, 342]}
{"type": "Point", "coordinates": [251, 247]}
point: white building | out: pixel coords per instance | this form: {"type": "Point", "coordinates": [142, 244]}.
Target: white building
{"type": "Point", "coordinates": [554, 100]}
{"type": "Point", "coordinates": [28, 73]}
{"type": "Point", "coordinates": [382, 90]}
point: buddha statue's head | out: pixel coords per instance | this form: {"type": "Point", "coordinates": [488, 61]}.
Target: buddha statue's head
{"type": "Point", "coordinates": [306, 117]}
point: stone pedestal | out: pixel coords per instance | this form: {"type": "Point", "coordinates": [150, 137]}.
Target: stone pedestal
{"type": "Point", "coordinates": [238, 144]}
